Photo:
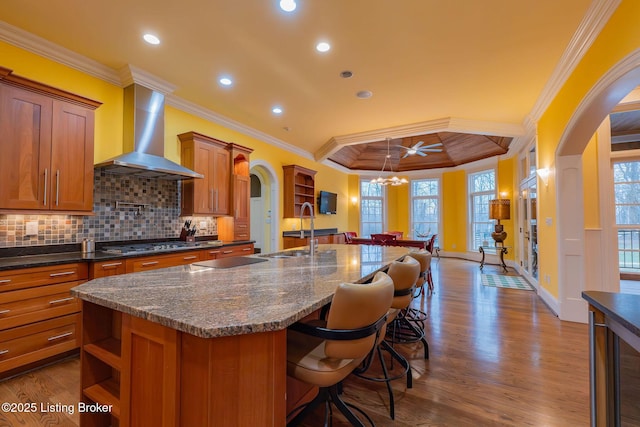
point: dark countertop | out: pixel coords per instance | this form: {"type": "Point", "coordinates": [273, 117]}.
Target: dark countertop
{"type": "Point", "coordinates": [66, 256]}
{"type": "Point", "coordinates": [623, 308]}
{"type": "Point", "coordinates": [307, 233]}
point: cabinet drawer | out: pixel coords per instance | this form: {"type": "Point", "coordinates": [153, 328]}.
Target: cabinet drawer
{"type": "Point", "coordinates": [38, 276]}
{"type": "Point", "coordinates": [236, 251]}
{"type": "Point", "coordinates": [107, 268]}
{"type": "Point", "coordinates": [162, 261]}
{"type": "Point", "coordinates": [26, 344]}
{"type": "Point", "coordinates": [25, 306]}
{"type": "Point", "coordinates": [211, 254]}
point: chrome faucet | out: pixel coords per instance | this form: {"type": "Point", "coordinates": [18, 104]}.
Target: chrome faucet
{"type": "Point", "coordinates": [312, 241]}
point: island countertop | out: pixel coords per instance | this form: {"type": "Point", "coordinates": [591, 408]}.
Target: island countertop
{"type": "Point", "coordinates": [215, 302]}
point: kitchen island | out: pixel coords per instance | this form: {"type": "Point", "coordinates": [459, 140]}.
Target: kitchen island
{"type": "Point", "coordinates": [206, 345]}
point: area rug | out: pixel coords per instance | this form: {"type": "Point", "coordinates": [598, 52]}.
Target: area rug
{"type": "Point", "coordinates": [502, 281]}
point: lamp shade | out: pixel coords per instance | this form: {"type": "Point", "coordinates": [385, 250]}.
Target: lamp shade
{"type": "Point", "coordinates": [500, 209]}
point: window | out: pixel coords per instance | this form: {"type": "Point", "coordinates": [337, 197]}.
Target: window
{"type": "Point", "coordinates": [371, 208]}
{"type": "Point", "coordinates": [425, 208]}
{"type": "Point", "coordinates": [482, 188]}
{"type": "Point", "coordinates": [626, 187]}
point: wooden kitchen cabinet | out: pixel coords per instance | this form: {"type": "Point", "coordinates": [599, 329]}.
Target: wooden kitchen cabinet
{"type": "Point", "coordinates": [211, 158]}
{"type": "Point", "coordinates": [299, 187]}
{"type": "Point", "coordinates": [39, 317]}
{"type": "Point", "coordinates": [47, 146]}
{"type": "Point", "coordinates": [237, 226]}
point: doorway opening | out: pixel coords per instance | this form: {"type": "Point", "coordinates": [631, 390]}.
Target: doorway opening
{"type": "Point", "coordinates": [264, 207]}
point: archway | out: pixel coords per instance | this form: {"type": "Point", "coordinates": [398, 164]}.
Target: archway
{"type": "Point", "coordinates": [266, 217]}
{"type": "Point", "coordinates": [577, 249]}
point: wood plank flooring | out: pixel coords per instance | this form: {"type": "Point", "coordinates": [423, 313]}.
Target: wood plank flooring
{"type": "Point", "coordinates": [499, 357]}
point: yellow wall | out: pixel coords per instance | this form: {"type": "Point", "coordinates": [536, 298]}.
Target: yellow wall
{"type": "Point", "coordinates": [509, 190]}
{"type": "Point", "coordinates": [398, 209]}
{"type": "Point", "coordinates": [354, 209]}
{"type": "Point", "coordinates": [619, 37]}
{"type": "Point", "coordinates": [454, 212]}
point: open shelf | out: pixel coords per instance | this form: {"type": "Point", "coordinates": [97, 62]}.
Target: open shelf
{"type": "Point", "coordinates": [105, 393]}
{"type": "Point", "coordinates": [299, 187]}
{"type": "Point", "coordinates": [107, 350]}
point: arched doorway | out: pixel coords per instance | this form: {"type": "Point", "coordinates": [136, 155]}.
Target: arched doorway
{"type": "Point", "coordinates": [579, 251]}
{"type": "Point", "coordinates": [264, 206]}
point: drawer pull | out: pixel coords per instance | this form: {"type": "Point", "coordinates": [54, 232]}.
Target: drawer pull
{"type": "Point", "coordinates": [227, 252]}
{"type": "Point", "coordinates": [214, 252]}
{"type": "Point", "coordinates": [145, 264]}
{"type": "Point", "coordinates": [5, 280]}
{"type": "Point", "coordinates": [246, 249]}
{"type": "Point", "coordinates": [4, 311]}
{"type": "Point", "coordinates": [242, 225]}
{"type": "Point", "coordinates": [57, 301]}
{"type": "Point", "coordinates": [65, 273]}
{"type": "Point", "coordinates": [57, 337]}
{"type": "Point", "coordinates": [189, 257]}
{"type": "Point", "coordinates": [3, 352]}
{"type": "Point", "coordinates": [113, 264]}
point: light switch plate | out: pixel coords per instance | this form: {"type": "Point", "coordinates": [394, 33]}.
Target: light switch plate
{"type": "Point", "coordinates": [203, 225]}
{"type": "Point", "coordinates": [31, 228]}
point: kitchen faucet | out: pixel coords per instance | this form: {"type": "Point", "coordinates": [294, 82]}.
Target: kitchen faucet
{"type": "Point", "coordinates": [312, 242]}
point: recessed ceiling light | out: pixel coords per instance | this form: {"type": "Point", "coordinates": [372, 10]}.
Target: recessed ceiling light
{"type": "Point", "coordinates": [277, 110]}
{"type": "Point", "coordinates": [346, 74]}
{"type": "Point", "coordinates": [151, 39]}
{"type": "Point", "coordinates": [364, 94]}
{"type": "Point", "coordinates": [288, 5]}
{"type": "Point", "coordinates": [323, 47]}
{"type": "Point", "coordinates": [225, 81]}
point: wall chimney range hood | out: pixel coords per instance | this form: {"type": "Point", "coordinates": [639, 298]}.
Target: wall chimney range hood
{"type": "Point", "coordinates": [144, 139]}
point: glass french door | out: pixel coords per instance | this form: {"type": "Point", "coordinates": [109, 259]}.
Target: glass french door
{"type": "Point", "coordinates": [530, 229]}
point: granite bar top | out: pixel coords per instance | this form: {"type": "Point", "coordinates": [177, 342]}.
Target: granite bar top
{"type": "Point", "coordinates": [623, 308]}
{"type": "Point", "coordinates": [56, 258]}
{"type": "Point", "coordinates": [307, 233]}
{"type": "Point", "coordinates": [266, 296]}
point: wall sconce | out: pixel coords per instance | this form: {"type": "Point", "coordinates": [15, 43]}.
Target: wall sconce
{"type": "Point", "coordinates": [499, 209]}
{"type": "Point", "coordinates": [354, 201]}
{"type": "Point", "coordinates": [543, 173]}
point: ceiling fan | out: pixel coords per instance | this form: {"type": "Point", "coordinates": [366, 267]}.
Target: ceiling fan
{"type": "Point", "coordinates": [420, 149]}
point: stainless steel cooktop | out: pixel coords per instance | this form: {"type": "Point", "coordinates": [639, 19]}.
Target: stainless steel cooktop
{"type": "Point", "coordinates": [151, 247]}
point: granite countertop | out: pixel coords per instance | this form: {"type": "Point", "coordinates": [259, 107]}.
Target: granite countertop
{"type": "Point", "coordinates": [307, 233]}
{"type": "Point", "coordinates": [55, 258]}
{"type": "Point", "coordinates": [265, 296]}
{"type": "Point", "coordinates": [623, 308]}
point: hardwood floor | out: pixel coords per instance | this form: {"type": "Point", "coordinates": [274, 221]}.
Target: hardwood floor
{"type": "Point", "coordinates": [499, 357]}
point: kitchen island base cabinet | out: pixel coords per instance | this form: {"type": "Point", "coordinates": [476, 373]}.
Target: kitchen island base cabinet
{"type": "Point", "coordinates": [155, 375]}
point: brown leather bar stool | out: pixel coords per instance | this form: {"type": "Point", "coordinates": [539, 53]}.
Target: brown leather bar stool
{"type": "Point", "coordinates": [323, 353]}
{"type": "Point", "coordinates": [408, 325]}
{"type": "Point", "coordinates": [404, 275]}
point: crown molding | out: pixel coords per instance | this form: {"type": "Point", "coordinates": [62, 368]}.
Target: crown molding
{"type": "Point", "coordinates": [204, 113]}
{"type": "Point", "coordinates": [594, 20]}
{"type": "Point", "coordinates": [446, 124]}
{"type": "Point", "coordinates": [35, 44]}
{"type": "Point", "coordinates": [130, 74]}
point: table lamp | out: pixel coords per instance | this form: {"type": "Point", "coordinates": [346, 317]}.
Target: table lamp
{"type": "Point", "coordinates": [499, 209]}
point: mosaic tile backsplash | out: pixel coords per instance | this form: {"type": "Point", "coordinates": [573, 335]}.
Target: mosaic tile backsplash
{"type": "Point", "coordinates": [159, 219]}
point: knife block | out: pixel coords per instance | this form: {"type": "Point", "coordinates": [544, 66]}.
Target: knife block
{"type": "Point", "coordinates": [185, 238]}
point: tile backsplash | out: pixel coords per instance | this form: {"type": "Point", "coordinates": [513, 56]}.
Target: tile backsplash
{"type": "Point", "coordinates": [158, 219]}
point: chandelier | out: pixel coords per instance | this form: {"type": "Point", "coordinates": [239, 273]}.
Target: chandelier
{"type": "Point", "coordinates": [388, 180]}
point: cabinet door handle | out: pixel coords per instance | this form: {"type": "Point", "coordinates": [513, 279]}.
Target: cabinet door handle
{"type": "Point", "coordinates": [227, 252]}
{"type": "Point", "coordinates": [212, 204]}
{"type": "Point", "coordinates": [57, 185]}
{"type": "Point", "coordinates": [57, 337]}
{"type": "Point", "coordinates": [144, 264]}
{"type": "Point", "coordinates": [4, 311]}
{"type": "Point", "coordinates": [65, 273]}
{"type": "Point", "coordinates": [3, 352]}
{"type": "Point", "coordinates": [5, 280]}
{"type": "Point", "coordinates": [113, 264]}
{"type": "Point", "coordinates": [46, 178]}
{"type": "Point", "coordinates": [189, 257]}
{"type": "Point", "coordinates": [246, 249]}
{"type": "Point", "coordinates": [57, 301]}
{"type": "Point", "coordinates": [216, 208]}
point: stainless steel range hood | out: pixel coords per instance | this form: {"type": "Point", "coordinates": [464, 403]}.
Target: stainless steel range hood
{"type": "Point", "coordinates": [144, 139]}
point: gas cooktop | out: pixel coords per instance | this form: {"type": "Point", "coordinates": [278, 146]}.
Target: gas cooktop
{"type": "Point", "coordinates": [150, 247]}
